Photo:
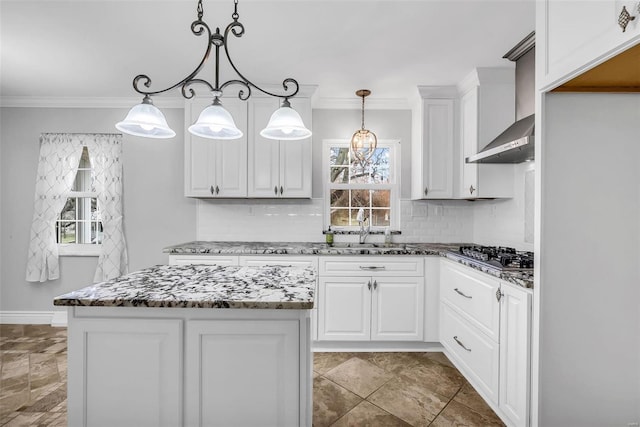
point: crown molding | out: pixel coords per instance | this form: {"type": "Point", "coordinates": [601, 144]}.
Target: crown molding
{"type": "Point", "coordinates": [86, 102]}
{"type": "Point", "coordinates": [356, 104]}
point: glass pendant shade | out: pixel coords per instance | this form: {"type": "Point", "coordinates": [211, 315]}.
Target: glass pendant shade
{"type": "Point", "coordinates": [215, 122]}
{"type": "Point", "coordinates": [285, 124]}
{"type": "Point", "coordinates": [363, 144]}
{"type": "Point", "coordinates": [146, 120]}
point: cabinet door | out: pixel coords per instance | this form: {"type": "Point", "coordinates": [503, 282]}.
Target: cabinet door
{"type": "Point", "coordinates": [469, 138]}
{"type": "Point", "coordinates": [258, 361]}
{"type": "Point", "coordinates": [397, 309]}
{"type": "Point", "coordinates": [231, 155]}
{"type": "Point", "coordinates": [344, 308]}
{"type": "Point", "coordinates": [437, 146]}
{"type": "Point", "coordinates": [141, 360]}
{"type": "Point", "coordinates": [264, 154]}
{"type": "Point", "coordinates": [216, 168]}
{"type": "Point", "coordinates": [515, 341]}
{"type": "Point", "coordinates": [295, 158]}
{"type": "Point", "coordinates": [571, 46]}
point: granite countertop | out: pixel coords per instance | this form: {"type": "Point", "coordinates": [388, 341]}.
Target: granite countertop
{"type": "Point", "coordinates": [522, 278]}
{"type": "Point", "coordinates": [306, 248]}
{"type": "Point", "coordinates": [202, 286]}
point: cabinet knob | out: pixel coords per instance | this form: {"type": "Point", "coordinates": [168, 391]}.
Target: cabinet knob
{"type": "Point", "coordinates": [211, 189]}
{"type": "Point", "coordinates": [217, 189]}
{"type": "Point", "coordinates": [624, 18]}
{"type": "Point", "coordinates": [471, 189]}
{"type": "Point", "coordinates": [426, 191]}
{"type": "Point", "coordinates": [275, 190]}
{"type": "Point", "coordinates": [499, 294]}
{"type": "Point", "coordinates": [369, 285]}
{"type": "Point", "coordinates": [375, 285]}
{"type": "Point", "coordinates": [281, 190]}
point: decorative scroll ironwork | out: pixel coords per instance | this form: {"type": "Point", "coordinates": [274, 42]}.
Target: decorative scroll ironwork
{"type": "Point", "coordinates": [217, 40]}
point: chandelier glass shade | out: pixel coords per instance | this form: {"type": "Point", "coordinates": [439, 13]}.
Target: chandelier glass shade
{"type": "Point", "coordinates": [285, 124]}
{"type": "Point", "coordinates": [214, 122]}
{"type": "Point", "coordinates": [363, 141]}
{"type": "Point", "coordinates": [145, 119]}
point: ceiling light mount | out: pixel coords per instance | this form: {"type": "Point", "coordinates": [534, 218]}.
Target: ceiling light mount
{"type": "Point", "coordinates": [363, 141]}
{"type": "Point", "coordinates": [219, 41]}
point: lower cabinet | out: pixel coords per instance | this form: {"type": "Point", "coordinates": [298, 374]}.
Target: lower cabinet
{"type": "Point", "coordinates": [485, 327]}
{"type": "Point", "coordinates": [382, 306]}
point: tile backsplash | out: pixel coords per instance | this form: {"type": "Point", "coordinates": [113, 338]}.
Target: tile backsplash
{"type": "Point", "coordinates": [302, 220]}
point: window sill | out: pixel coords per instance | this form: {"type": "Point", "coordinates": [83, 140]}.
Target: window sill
{"type": "Point", "coordinates": [73, 249]}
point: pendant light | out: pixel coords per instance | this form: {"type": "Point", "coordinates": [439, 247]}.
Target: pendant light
{"type": "Point", "coordinates": [363, 141]}
{"type": "Point", "coordinates": [285, 124]}
{"type": "Point", "coordinates": [214, 121]}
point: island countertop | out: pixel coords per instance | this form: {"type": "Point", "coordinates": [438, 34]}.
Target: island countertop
{"type": "Point", "coordinates": [202, 286]}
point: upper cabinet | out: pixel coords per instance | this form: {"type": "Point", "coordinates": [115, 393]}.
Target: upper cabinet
{"type": "Point", "coordinates": [432, 143]}
{"type": "Point", "coordinates": [215, 168]}
{"type": "Point", "coordinates": [487, 108]}
{"type": "Point", "coordinates": [573, 37]}
{"type": "Point", "coordinates": [251, 166]}
{"type": "Point", "coordinates": [278, 168]}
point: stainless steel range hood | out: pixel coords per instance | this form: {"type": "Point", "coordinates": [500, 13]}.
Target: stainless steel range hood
{"type": "Point", "coordinates": [516, 143]}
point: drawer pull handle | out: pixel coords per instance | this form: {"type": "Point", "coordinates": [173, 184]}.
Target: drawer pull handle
{"type": "Point", "coordinates": [460, 293]}
{"type": "Point", "coordinates": [460, 343]}
{"type": "Point", "coordinates": [372, 267]}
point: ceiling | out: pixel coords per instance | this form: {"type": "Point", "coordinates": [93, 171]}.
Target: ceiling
{"type": "Point", "coordinates": [94, 48]}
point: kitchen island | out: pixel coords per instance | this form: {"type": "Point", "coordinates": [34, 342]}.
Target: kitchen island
{"type": "Point", "coordinates": [192, 345]}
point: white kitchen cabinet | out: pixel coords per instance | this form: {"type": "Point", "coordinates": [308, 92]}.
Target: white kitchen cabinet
{"type": "Point", "coordinates": [432, 143]}
{"type": "Point", "coordinates": [387, 304]}
{"type": "Point", "coordinates": [515, 350]}
{"type": "Point", "coordinates": [298, 261]}
{"type": "Point", "coordinates": [487, 108]}
{"type": "Point", "coordinates": [138, 359]}
{"type": "Point", "coordinates": [257, 361]}
{"type": "Point", "coordinates": [573, 37]}
{"type": "Point", "coordinates": [278, 168]}
{"type": "Point", "coordinates": [203, 259]}
{"type": "Point", "coordinates": [216, 168]}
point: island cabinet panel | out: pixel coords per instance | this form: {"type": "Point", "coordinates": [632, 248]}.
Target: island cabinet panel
{"type": "Point", "coordinates": [141, 360]}
{"type": "Point", "coordinates": [257, 361]}
{"type": "Point", "coordinates": [204, 259]}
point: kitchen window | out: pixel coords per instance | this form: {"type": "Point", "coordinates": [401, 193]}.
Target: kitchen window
{"type": "Point", "coordinates": [79, 225]}
{"type": "Point", "coordinates": [351, 185]}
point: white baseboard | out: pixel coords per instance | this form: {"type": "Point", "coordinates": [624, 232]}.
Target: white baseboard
{"type": "Point", "coordinates": [53, 318]}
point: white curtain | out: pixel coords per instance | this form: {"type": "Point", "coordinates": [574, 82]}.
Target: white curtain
{"type": "Point", "coordinates": [57, 167]}
{"type": "Point", "coordinates": [105, 153]}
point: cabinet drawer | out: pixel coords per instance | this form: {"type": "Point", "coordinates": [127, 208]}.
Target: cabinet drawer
{"type": "Point", "coordinates": [473, 294]}
{"type": "Point", "coordinates": [203, 259]}
{"type": "Point", "coordinates": [373, 265]}
{"type": "Point", "coordinates": [279, 260]}
{"type": "Point", "coordinates": [476, 355]}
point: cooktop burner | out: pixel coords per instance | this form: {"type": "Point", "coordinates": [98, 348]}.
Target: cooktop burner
{"type": "Point", "coordinates": [498, 257]}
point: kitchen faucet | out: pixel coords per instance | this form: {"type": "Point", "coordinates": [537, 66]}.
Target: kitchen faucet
{"type": "Point", "coordinates": [361, 219]}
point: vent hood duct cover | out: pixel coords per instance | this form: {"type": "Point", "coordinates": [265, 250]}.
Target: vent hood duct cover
{"type": "Point", "coordinates": [514, 145]}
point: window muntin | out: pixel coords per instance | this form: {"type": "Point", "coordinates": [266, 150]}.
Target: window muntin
{"type": "Point", "coordinates": [353, 185]}
{"type": "Point", "coordinates": [79, 222]}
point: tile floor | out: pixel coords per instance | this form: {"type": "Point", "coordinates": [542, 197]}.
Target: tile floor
{"type": "Point", "coordinates": [350, 389]}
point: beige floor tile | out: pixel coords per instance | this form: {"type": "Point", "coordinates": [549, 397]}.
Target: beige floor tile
{"type": "Point", "coordinates": [43, 370]}
{"type": "Point", "coordinates": [456, 414]}
{"type": "Point", "coordinates": [359, 376]}
{"type": "Point", "coordinates": [369, 415]}
{"type": "Point", "coordinates": [330, 402]}
{"type": "Point", "coordinates": [440, 378]}
{"type": "Point", "coordinates": [409, 401]}
{"type": "Point", "coordinates": [323, 362]}
{"type": "Point", "coordinates": [439, 357]}
{"type": "Point", "coordinates": [392, 362]}
{"type": "Point", "coordinates": [25, 420]}
{"type": "Point", "coordinates": [469, 397]}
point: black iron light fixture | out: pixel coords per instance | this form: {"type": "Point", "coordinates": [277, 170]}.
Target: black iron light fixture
{"type": "Point", "coordinates": [363, 141]}
{"type": "Point", "coordinates": [214, 122]}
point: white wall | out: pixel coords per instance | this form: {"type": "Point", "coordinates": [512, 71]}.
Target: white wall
{"type": "Point", "coordinates": [155, 210]}
{"type": "Point", "coordinates": [589, 281]}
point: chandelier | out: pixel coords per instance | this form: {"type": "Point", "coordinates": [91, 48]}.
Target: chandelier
{"type": "Point", "coordinates": [214, 122]}
{"type": "Point", "coordinates": [363, 141]}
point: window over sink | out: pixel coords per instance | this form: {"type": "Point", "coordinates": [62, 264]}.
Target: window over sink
{"type": "Point", "coordinates": [371, 185]}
